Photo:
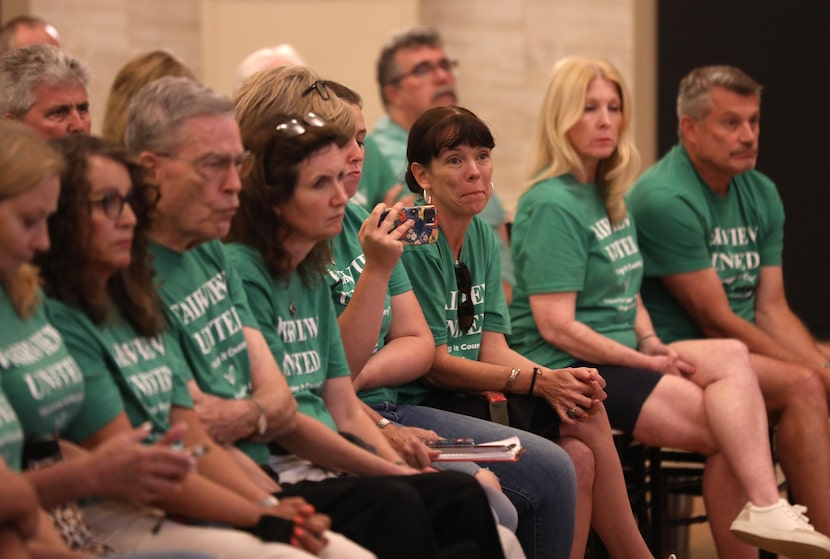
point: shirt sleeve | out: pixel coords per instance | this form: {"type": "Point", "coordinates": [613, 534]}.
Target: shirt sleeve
{"type": "Point", "coordinates": [399, 282]}
{"type": "Point", "coordinates": [772, 240]}
{"type": "Point", "coordinates": [257, 286]}
{"type": "Point", "coordinates": [236, 289]}
{"type": "Point", "coordinates": [338, 365]}
{"type": "Point", "coordinates": [671, 234]}
{"type": "Point", "coordinates": [429, 284]}
{"type": "Point", "coordinates": [553, 257]}
{"type": "Point", "coordinates": [102, 398]}
{"type": "Point", "coordinates": [496, 318]}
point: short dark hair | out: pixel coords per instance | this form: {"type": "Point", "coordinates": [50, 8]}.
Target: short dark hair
{"type": "Point", "coordinates": [443, 128]}
{"type": "Point", "coordinates": [417, 36]}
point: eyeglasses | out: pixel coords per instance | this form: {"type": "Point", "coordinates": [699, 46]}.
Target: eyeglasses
{"type": "Point", "coordinates": [294, 127]}
{"type": "Point", "coordinates": [112, 203]}
{"type": "Point", "coordinates": [427, 68]}
{"type": "Point", "coordinates": [466, 310]}
{"type": "Point", "coordinates": [215, 167]}
{"type": "Point", "coordinates": [320, 87]}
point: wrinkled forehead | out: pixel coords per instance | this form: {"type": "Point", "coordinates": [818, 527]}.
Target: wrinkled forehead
{"type": "Point", "coordinates": [203, 134]}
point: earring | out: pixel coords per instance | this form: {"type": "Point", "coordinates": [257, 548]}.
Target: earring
{"type": "Point", "coordinates": [428, 197]}
{"type": "Point", "coordinates": [492, 188]}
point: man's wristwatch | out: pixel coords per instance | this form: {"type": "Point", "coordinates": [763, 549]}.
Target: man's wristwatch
{"type": "Point", "coordinates": [262, 420]}
{"type": "Point", "coordinates": [382, 423]}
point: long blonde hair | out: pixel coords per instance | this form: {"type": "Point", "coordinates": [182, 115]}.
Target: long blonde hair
{"type": "Point", "coordinates": [26, 160]}
{"type": "Point", "coordinates": [563, 106]}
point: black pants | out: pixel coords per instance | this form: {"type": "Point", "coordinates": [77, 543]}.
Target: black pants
{"type": "Point", "coordinates": [441, 515]}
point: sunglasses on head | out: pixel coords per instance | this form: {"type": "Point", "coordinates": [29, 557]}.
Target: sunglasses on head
{"type": "Point", "coordinates": [320, 87]}
{"type": "Point", "coordinates": [464, 282]}
{"type": "Point", "coordinates": [294, 127]}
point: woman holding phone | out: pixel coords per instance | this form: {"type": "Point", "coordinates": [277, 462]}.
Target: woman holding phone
{"type": "Point", "coordinates": [291, 205]}
{"type": "Point", "coordinates": [103, 301]}
{"type": "Point", "coordinates": [457, 283]}
{"type": "Point", "coordinates": [388, 343]}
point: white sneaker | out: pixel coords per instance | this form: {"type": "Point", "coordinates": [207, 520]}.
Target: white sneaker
{"type": "Point", "coordinates": [781, 528]}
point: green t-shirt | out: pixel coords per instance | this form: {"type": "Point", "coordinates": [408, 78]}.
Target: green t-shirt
{"type": "Point", "coordinates": [344, 272]}
{"type": "Point", "coordinates": [40, 378]}
{"type": "Point", "coordinates": [684, 226]}
{"type": "Point", "coordinates": [11, 434]}
{"type": "Point", "coordinates": [390, 139]}
{"type": "Point", "coordinates": [562, 242]}
{"type": "Point", "coordinates": [207, 308]}
{"type": "Point", "coordinates": [306, 343]}
{"type": "Point", "coordinates": [431, 269]}
{"type": "Point", "coordinates": [122, 372]}
{"type": "Point", "coordinates": [377, 177]}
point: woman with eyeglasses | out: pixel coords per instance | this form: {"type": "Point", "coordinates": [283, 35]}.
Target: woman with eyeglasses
{"type": "Point", "coordinates": [456, 281]}
{"type": "Point", "coordinates": [102, 299]}
{"type": "Point", "coordinates": [41, 385]}
{"type": "Point", "coordinates": [579, 270]}
{"type": "Point", "coordinates": [291, 205]}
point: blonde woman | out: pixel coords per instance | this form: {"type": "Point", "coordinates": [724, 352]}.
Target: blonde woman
{"type": "Point", "coordinates": [577, 304]}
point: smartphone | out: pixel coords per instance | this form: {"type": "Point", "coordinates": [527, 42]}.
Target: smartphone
{"type": "Point", "coordinates": [459, 441]}
{"type": "Point", "coordinates": [424, 228]}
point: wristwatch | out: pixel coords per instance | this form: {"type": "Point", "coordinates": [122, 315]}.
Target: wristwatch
{"type": "Point", "coordinates": [262, 420]}
{"type": "Point", "coordinates": [382, 423]}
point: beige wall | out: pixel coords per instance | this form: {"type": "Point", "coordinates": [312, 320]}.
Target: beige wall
{"type": "Point", "coordinates": [506, 48]}
{"type": "Point", "coordinates": [339, 39]}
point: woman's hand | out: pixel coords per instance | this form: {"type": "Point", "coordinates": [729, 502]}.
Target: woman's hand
{"type": "Point", "coordinates": [664, 358]}
{"type": "Point", "coordinates": [409, 443]}
{"type": "Point", "coordinates": [380, 240]}
{"type": "Point", "coordinates": [579, 390]}
{"type": "Point", "coordinates": [124, 468]}
{"type": "Point", "coordinates": [309, 526]}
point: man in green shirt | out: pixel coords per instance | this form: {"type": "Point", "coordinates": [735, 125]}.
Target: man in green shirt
{"type": "Point", "coordinates": [710, 229]}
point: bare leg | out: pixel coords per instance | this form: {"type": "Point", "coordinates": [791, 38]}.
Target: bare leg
{"type": "Point", "coordinates": [612, 516]}
{"type": "Point", "coordinates": [583, 461]}
{"type": "Point", "coordinates": [736, 413]}
{"type": "Point", "coordinates": [794, 393]}
{"type": "Point", "coordinates": [674, 416]}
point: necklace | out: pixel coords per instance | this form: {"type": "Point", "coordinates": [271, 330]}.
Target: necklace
{"type": "Point", "coordinates": [292, 308]}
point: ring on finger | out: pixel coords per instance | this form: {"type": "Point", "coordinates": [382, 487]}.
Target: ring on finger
{"type": "Point", "coordinates": [572, 413]}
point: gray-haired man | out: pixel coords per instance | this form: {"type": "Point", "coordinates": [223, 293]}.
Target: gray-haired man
{"type": "Point", "coordinates": [45, 88]}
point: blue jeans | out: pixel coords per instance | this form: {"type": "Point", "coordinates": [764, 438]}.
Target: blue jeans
{"type": "Point", "coordinates": [541, 485]}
